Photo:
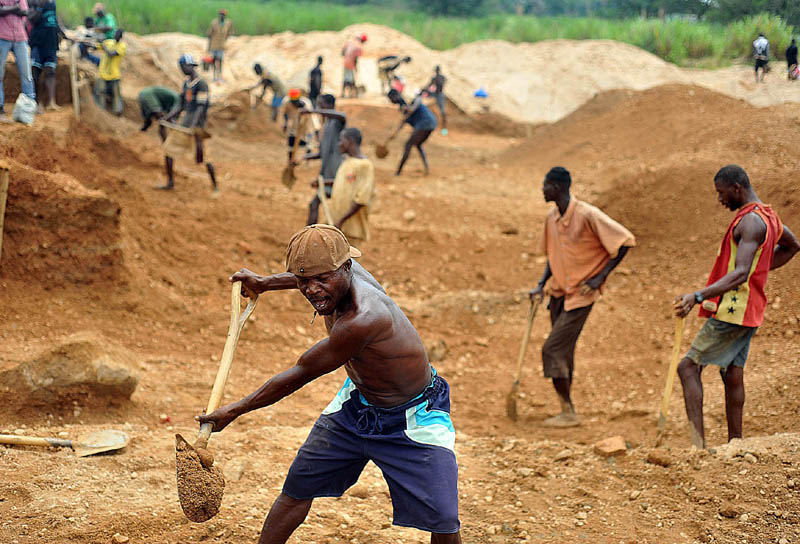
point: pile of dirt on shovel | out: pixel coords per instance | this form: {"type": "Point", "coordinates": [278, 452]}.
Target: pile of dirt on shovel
{"type": "Point", "coordinates": [199, 489]}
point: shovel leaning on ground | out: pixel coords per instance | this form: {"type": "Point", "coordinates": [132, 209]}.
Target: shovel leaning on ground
{"type": "Point", "coordinates": [90, 444]}
{"type": "Point", "coordinates": [671, 371]}
{"type": "Point", "coordinates": [200, 483]}
{"type": "Point", "coordinates": [511, 398]}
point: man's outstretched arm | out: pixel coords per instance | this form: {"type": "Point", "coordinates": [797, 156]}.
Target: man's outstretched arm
{"type": "Point", "coordinates": [258, 284]}
{"type": "Point", "coordinates": [787, 247]}
{"type": "Point", "coordinates": [344, 343]}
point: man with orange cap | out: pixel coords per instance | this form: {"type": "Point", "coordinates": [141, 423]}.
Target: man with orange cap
{"type": "Point", "coordinates": [393, 409]}
{"type": "Point", "coordinates": [351, 51]}
{"type": "Point", "coordinates": [296, 125]}
{"type": "Point", "coordinates": [219, 31]}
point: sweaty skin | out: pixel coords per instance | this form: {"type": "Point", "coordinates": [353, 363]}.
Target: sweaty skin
{"type": "Point", "coordinates": [368, 334]}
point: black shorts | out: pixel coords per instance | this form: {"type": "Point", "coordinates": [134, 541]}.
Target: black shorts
{"type": "Point", "coordinates": [292, 139]}
{"type": "Point", "coordinates": [558, 351]}
{"type": "Point", "coordinates": [761, 63]}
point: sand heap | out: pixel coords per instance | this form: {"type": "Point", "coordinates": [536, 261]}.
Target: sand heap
{"type": "Point", "coordinates": [539, 82]}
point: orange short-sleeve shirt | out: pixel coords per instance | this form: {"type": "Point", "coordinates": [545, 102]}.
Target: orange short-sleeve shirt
{"type": "Point", "coordinates": [578, 245]}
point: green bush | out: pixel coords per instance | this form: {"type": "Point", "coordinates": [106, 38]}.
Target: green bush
{"type": "Point", "coordinates": [680, 42]}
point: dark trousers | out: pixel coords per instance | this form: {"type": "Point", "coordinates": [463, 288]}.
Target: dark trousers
{"type": "Point", "coordinates": [558, 351]}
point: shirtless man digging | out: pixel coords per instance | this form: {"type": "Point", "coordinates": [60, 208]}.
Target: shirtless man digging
{"type": "Point", "coordinates": [393, 409]}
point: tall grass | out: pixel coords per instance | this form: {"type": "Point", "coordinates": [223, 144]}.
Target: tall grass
{"type": "Point", "coordinates": [676, 41]}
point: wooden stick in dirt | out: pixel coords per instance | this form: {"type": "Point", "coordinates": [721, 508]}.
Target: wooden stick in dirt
{"type": "Point", "coordinates": [511, 398]}
{"type": "Point", "coordinates": [323, 201]}
{"type": "Point", "coordinates": [73, 82]}
{"type": "Point", "coordinates": [671, 371]}
{"type": "Point", "coordinates": [3, 197]}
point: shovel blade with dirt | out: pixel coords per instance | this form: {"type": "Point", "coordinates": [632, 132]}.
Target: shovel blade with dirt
{"type": "Point", "coordinates": [200, 483]}
{"type": "Point", "coordinates": [90, 444]}
{"type": "Point", "coordinates": [288, 176]}
{"type": "Point", "coordinates": [511, 397]}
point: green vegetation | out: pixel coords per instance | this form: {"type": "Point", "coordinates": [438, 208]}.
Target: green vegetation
{"type": "Point", "coordinates": [678, 41]}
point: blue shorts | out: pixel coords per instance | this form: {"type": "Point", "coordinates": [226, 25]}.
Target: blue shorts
{"type": "Point", "coordinates": [412, 444]}
{"type": "Point", "coordinates": [44, 57]}
{"type": "Point", "coordinates": [217, 54]}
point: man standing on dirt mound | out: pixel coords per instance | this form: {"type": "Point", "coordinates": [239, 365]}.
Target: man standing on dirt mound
{"type": "Point", "coordinates": [351, 51]}
{"type": "Point", "coordinates": [761, 55]}
{"type": "Point", "coordinates": [219, 31]}
{"type": "Point", "coordinates": [755, 243]}
{"type": "Point", "coordinates": [393, 409]}
{"type": "Point", "coordinates": [583, 245]}
{"type": "Point", "coordinates": [194, 104]}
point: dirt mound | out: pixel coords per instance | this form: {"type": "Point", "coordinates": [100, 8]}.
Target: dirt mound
{"type": "Point", "coordinates": [57, 230]}
{"type": "Point", "coordinates": [530, 83]}
{"type": "Point", "coordinates": [83, 367]}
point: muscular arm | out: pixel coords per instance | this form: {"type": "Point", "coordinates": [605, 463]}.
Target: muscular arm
{"type": "Point", "coordinates": [345, 342]}
{"type": "Point", "coordinates": [749, 235]}
{"type": "Point", "coordinates": [787, 247]}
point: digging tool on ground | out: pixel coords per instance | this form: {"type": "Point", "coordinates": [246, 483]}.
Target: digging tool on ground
{"type": "Point", "coordinates": [90, 444]}
{"type": "Point", "coordinates": [323, 201]}
{"type": "Point", "coordinates": [671, 371]}
{"type": "Point", "coordinates": [511, 398]}
{"type": "Point", "coordinates": [200, 484]}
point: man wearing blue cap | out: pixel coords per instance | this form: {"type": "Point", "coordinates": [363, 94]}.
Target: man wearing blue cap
{"type": "Point", "coordinates": [194, 105]}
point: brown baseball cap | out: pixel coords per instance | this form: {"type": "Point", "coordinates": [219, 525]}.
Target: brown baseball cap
{"type": "Point", "coordinates": [318, 249]}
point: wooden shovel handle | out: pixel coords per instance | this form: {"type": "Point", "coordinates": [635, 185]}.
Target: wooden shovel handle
{"type": "Point", "coordinates": [34, 441]}
{"type": "Point", "coordinates": [323, 201]}
{"type": "Point", "coordinates": [526, 338]}
{"type": "Point", "coordinates": [238, 320]}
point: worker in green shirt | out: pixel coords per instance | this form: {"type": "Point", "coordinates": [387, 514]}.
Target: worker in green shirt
{"type": "Point", "coordinates": [104, 22]}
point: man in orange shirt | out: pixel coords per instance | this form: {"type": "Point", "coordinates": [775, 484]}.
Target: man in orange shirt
{"type": "Point", "coordinates": [583, 245]}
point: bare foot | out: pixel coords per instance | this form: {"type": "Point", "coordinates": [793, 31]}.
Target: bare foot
{"type": "Point", "coordinates": [168, 187]}
{"type": "Point", "coordinates": [53, 107]}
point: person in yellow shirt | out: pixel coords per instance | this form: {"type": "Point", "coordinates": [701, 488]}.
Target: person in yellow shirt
{"type": "Point", "coordinates": [107, 84]}
{"type": "Point", "coordinates": [353, 189]}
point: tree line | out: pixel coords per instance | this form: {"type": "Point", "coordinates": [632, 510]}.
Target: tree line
{"type": "Point", "coordinates": [719, 11]}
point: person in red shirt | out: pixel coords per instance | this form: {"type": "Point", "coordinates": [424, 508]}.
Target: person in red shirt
{"type": "Point", "coordinates": [755, 243]}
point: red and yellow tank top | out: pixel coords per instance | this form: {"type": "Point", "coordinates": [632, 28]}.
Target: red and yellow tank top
{"type": "Point", "coordinates": [745, 305]}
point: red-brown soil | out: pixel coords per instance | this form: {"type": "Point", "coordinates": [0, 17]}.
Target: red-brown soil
{"type": "Point", "coordinates": [155, 280]}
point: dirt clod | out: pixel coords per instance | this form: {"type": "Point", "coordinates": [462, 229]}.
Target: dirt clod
{"type": "Point", "coordinates": [200, 489]}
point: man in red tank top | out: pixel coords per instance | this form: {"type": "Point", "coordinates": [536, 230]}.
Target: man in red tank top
{"type": "Point", "coordinates": [755, 243]}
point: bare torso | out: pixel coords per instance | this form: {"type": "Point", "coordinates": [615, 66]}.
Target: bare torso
{"type": "Point", "coordinates": [392, 367]}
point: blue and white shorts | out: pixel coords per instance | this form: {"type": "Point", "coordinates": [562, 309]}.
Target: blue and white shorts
{"type": "Point", "coordinates": [412, 444]}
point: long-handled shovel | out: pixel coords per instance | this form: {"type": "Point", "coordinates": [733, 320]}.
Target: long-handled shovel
{"type": "Point", "coordinates": [511, 398]}
{"type": "Point", "coordinates": [200, 484]}
{"type": "Point", "coordinates": [671, 371]}
{"type": "Point", "coordinates": [90, 444]}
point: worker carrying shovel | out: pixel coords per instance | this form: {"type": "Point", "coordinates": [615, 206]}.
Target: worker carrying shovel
{"type": "Point", "coordinates": [755, 243]}
{"type": "Point", "coordinates": [187, 138]}
{"type": "Point", "coordinates": [583, 245]}
{"type": "Point", "coordinates": [393, 409]}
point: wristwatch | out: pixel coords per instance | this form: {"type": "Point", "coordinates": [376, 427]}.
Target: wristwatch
{"type": "Point", "coordinates": [698, 297]}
